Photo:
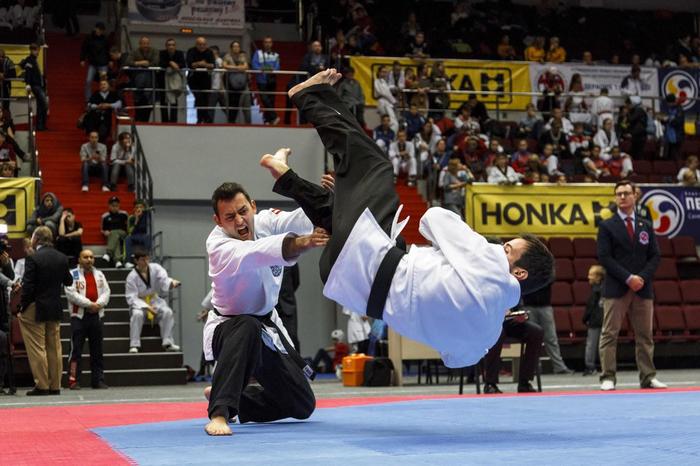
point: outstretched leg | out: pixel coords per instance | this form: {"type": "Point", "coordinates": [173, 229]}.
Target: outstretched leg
{"type": "Point", "coordinates": [364, 176]}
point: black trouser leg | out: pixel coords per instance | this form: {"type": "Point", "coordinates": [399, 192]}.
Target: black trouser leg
{"type": "Point", "coordinates": [237, 345]}
{"type": "Point", "coordinates": [234, 101]}
{"type": "Point", "coordinates": [531, 335]}
{"type": "Point", "coordinates": [284, 391]}
{"type": "Point", "coordinates": [316, 201]}
{"type": "Point", "coordinates": [322, 356]}
{"type": "Point", "coordinates": [77, 327]}
{"type": "Point", "coordinates": [364, 175]}
{"type": "Point", "coordinates": [94, 333]}
{"type": "Point", "coordinates": [268, 100]}
{"type": "Point", "coordinates": [492, 361]}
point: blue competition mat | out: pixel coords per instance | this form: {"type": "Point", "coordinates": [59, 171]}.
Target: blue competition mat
{"type": "Point", "coordinates": [574, 429]}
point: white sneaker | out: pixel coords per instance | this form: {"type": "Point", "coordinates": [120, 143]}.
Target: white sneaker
{"type": "Point", "coordinates": [172, 347]}
{"type": "Point", "coordinates": [654, 383]}
{"type": "Point", "coordinates": [607, 385]}
{"type": "Point", "coordinates": [106, 258]}
{"type": "Point", "coordinates": [105, 189]}
{"type": "Point", "coordinates": [119, 264]}
{"type": "Point", "coordinates": [85, 188]}
{"type": "Point", "coordinates": [133, 349]}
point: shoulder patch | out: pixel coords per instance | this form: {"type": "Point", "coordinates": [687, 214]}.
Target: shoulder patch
{"type": "Point", "coordinates": [276, 211]}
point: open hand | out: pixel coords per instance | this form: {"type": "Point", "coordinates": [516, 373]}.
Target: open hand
{"type": "Point", "coordinates": [328, 182]}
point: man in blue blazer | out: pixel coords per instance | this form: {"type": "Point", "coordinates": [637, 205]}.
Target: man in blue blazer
{"type": "Point", "coordinates": [628, 251]}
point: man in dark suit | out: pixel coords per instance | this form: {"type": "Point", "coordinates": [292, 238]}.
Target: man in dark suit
{"type": "Point", "coordinates": [628, 251]}
{"type": "Point", "coordinates": [41, 310]}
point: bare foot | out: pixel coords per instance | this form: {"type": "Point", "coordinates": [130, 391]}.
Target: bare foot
{"type": "Point", "coordinates": [329, 76]}
{"type": "Point", "coordinates": [277, 164]}
{"type": "Point", "coordinates": [218, 426]}
{"type": "Point", "coordinates": [207, 392]}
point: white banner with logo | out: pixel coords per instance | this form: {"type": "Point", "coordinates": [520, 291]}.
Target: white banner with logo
{"type": "Point", "coordinates": [188, 13]}
{"type": "Point", "coordinates": [594, 78]}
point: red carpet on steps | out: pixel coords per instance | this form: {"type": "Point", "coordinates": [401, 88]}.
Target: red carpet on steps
{"type": "Point", "coordinates": [60, 145]}
{"type": "Point", "coordinates": [414, 206]}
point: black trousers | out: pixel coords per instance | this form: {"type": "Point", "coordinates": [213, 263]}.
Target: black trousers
{"type": "Point", "coordinates": [322, 356]}
{"type": "Point", "coordinates": [201, 99]}
{"type": "Point", "coordinates": [268, 100]}
{"type": "Point", "coordinates": [363, 174]}
{"type": "Point", "coordinates": [528, 333]}
{"type": "Point", "coordinates": [90, 327]}
{"type": "Point", "coordinates": [240, 353]}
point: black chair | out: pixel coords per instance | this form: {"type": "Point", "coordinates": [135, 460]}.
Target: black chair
{"type": "Point", "coordinates": [478, 369]}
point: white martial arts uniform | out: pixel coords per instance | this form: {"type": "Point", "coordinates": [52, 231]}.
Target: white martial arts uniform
{"type": "Point", "coordinates": [140, 295]}
{"type": "Point", "coordinates": [452, 296]}
{"type": "Point", "coordinates": [246, 275]}
{"type": "Point", "coordinates": [409, 164]}
{"type": "Point", "coordinates": [358, 329]}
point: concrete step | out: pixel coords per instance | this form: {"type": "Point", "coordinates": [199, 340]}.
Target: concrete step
{"type": "Point", "coordinates": [112, 345]}
{"type": "Point", "coordinates": [115, 329]}
{"type": "Point", "coordinates": [121, 361]}
{"type": "Point", "coordinates": [135, 377]}
{"type": "Point", "coordinates": [114, 274]}
{"type": "Point", "coordinates": [111, 315]}
{"type": "Point", "coordinates": [116, 300]}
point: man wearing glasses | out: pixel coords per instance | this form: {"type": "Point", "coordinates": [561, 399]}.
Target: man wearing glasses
{"type": "Point", "coordinates": [628, 251]}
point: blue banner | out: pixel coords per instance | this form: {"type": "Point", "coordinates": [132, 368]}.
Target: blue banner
{"type": "Point", "coordinates": [674, 209]}
{"type": "Point", "coordinates": [684, 84]}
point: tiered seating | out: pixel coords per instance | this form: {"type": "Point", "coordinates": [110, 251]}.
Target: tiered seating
{"type": "Point", "coordinates": [677, 301]}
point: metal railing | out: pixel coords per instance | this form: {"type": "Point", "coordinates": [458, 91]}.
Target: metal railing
{"type": "Point", "coordinates": [143, 181]}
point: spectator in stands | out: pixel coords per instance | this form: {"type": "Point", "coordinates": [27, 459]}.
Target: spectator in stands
{"type": "Point", "coordinates": [201, 59]}
{"type": "Point", "coordinates": [478, 111]}
{"type": "Point", "coordinates": [465, 122]}
{"type": "Point", "coordinates": [530, 125]}
{"type": "Point", "coordinates": [593, 317]}
{"type": "Point", "coordinates": [602, 107]}
{"type": "Point", "coordinates": [69, 238]}
{"type": "Point", "coordinates": [94, 54]}
{"type": "Point", "coordinates": [7, 151]}
{"type": "Point", "coordinates": [266, 60]}
{"type": "Point", "coordinates": [578, 138]}
{"type": "Point", "coordinates": [340, 51]}
{"type": "Point", "coordinates": [453, 180]}
{"type": "Point", "coordinates": [535, 166]}
{"type": "Point", "coordinates": [425, 141]}
{"type": "Point", "coordinates": [637, 124]}
{"type": "Point", "coordinates": [692, 165]}
{"type": "Point", "coordinates": [397, 81]}
{"type": "Point", "coordinates": [632, 83]}
{"type": "Point", "coordinates": [87, 297]}
{"type": "Point", "coordinates": [351, 94]}
{"type": "Point", "coordinates": [35, 81]}
{"type": "Point", "coordinates": [441, 155]}
{"type": "Point", "coordinates": [620, 164]}
{"type": "Point", "coordinates": [138, 230]}
{"type": "Point", "coordinates": [439, 98]}
{"type": "Point", "coordinates": [8, 126]}
{"type": "Point", "coordinates": [690, 179]}
{"type": "Point", "coordinates": [595, 166]}
{"type": "Point", "coordinates": [144, 56]}
{"type": "Point", "coordinates": [564, 123]}
{"type": "Point", "coordinates": [683, 46]}
{"type": "Point", "coordinates": [505, 51]}
{"type": "Point", "coordinates": [556, 138]}
{"type": "Point", "coordinates": [383, 134]}
{"type": "Point", "coordinates": [101, 108]}
{"type": "Point", "coordinates": [402, 154]}
{"type": "Point", "coordinates": [122, 157]}
{"type": "Point", "coordinates": [551, 160]}
{"type": "Point", "coordinates": [314, 60]}
{"type": "Point", "coordinates": [587, 58]}
{"type": "Point", "coordinates": [410, 28]}
{"type": "Point", "coordinates": [218, 94]}
{"type": "Point", "coordinates": [551, 85]}
{"type": "Point", "coordinates": [521, 157]}
{"type": "Point", "coordinates": [515, 327]}
{"type": "Point", "coordinates": [606, 138]}
{"type": "Point", "coordinates": [236, 64]}
{"type": "Point", "coordinates": [418, 47]}
{"type": "Point", "coordinates": [535, 52]}
{"type": "Point", "coordinates": [413, 120]}
{"type": "Point", "coordinates": [7, 71]}
{"type": "Point", "coordinates": [494, 149]}
{"type": "Point", "coordinates": [118, 77]}
{"type": "Point", "coordinates": [628, 286]}
{"type": "Point", "coordinates": [146, 285]}
{"type": "Point", "coordinates": [674, 131]}
{"type": "Point", "coordinates": [575, 105]}
{"type": "Point", "coordinates": [93, 157]}
{"type": "Point", "coordinates": [7, 170]}
{"type": "Point", "coordinates": [339, 349]}
{"type": "Point", "coordinates": [114, 227]}
{"type": "Point", "coordinates": [502, 173]}
{"type": "Point", "coordinates": [385, 99]}
{"type": "Point", "coordinates": [556, 53]}
{"type": "Point", "coordinates": [47, 214]}
{"type": "Point", "coordinates": [171, 79]}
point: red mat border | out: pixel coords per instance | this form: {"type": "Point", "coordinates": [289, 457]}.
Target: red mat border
{"type": "Point", "coordinates": [61, 435]}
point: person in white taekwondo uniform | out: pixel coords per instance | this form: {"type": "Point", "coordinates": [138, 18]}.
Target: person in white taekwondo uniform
{"type": "Point", "coordinates": [87, 298]}
{"type": "Point", "coordinates": [247, 251]}
{"type": "Point", "coordinates": [452, 295]}
{"type": "Point", "coordinates": [145, 286]}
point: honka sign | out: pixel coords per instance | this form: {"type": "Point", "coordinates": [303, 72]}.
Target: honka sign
{"type": "Point", "coordinates": [573, 210]}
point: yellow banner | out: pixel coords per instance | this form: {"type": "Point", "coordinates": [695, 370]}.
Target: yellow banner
{"type": "Point", "coordinates": [545, 210]}
{"type": "Point", "coordinates": [16, 204]}
{"type": "Point", "coordinates": [465, 75]}
{"type": "Point", "coordinates": [17, 53]}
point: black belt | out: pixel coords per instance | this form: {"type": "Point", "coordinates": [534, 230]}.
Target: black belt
{"type": "Point", "coordinates": [382, 282]}
{"type": "Point", "coordinates": [267, 320]}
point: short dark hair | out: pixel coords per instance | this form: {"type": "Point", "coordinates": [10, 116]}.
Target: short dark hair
{"type": "Point", "coordinates": [226, 192]}
{"type": "Point", "coordinates": [69, 210]}
{"type": "Point", "coordinates": [539, 263]}
{"type": "Point", "coordinates": [624, 183]}
{"type": "Point", "coordinates": [140, 252]}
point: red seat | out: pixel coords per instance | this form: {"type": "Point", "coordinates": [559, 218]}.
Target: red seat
{"type": "Point", "coordinates": [563, 325]}
{"type": "Point", "coordinates": [690, 290]}
{"type": "Point", "coordinates": [581, 267]}
{"type": "Point", "coordinates": [684, 247]}
{"type": "Point", "coordinates": [664, 167]}
{"type": "Point", "coordinates": [561, 294]}
{"type": "Point", "coordinates": [657, 178]}
{"type": "Point", "coordinates": [667, 292]}
{"type": "Point", "coordinates": [642, 167]}
{"type": "Point", "coordinates": [585, 247]}
{"type": "Point", "coordinates": [671, 323]}
{"type": "Point", "coordinates": [692, 321]}
{"type": "Point", "coordinates": [581, 291]}
{"type": "Point", "coordinates": [667, 269]}
{"type": "Point", "coordinates": [665, 246]}
{"type": "Point", "coordinates": [564, 269]}
{"type": "Point", "coordinates": [561, 247]}
{"type": "Point", "coordinates": [635, 178]}
{"type": "Point", "coordinates": [578, 328]}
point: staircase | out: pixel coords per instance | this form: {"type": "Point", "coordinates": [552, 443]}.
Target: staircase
{"type": "Point", "coordinates": [60, 145]}
{"type": "Point", "coordinates": [414, 206]}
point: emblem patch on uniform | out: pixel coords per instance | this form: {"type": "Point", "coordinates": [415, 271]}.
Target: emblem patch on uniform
{"type": "Point", "coordinates": [644, 238]}
{"type": "Point", "coordinates": [276, 270]}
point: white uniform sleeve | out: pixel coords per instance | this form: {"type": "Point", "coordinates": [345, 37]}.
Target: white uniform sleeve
{"type": "Point", "coordinates": [132, 292]}
{"type": "Point", "coordinates": [393, 150]}
{"type": "Point", "coordinates": [160, 282]}
{"type": "Point", "coordinates": [74, 297]}
{"type": "Point", "coordinates": [228, 256]}
{"type": "Point", "coordinates": [104, 291]}
{"type": "Point", "coordinates": [281, 222]}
